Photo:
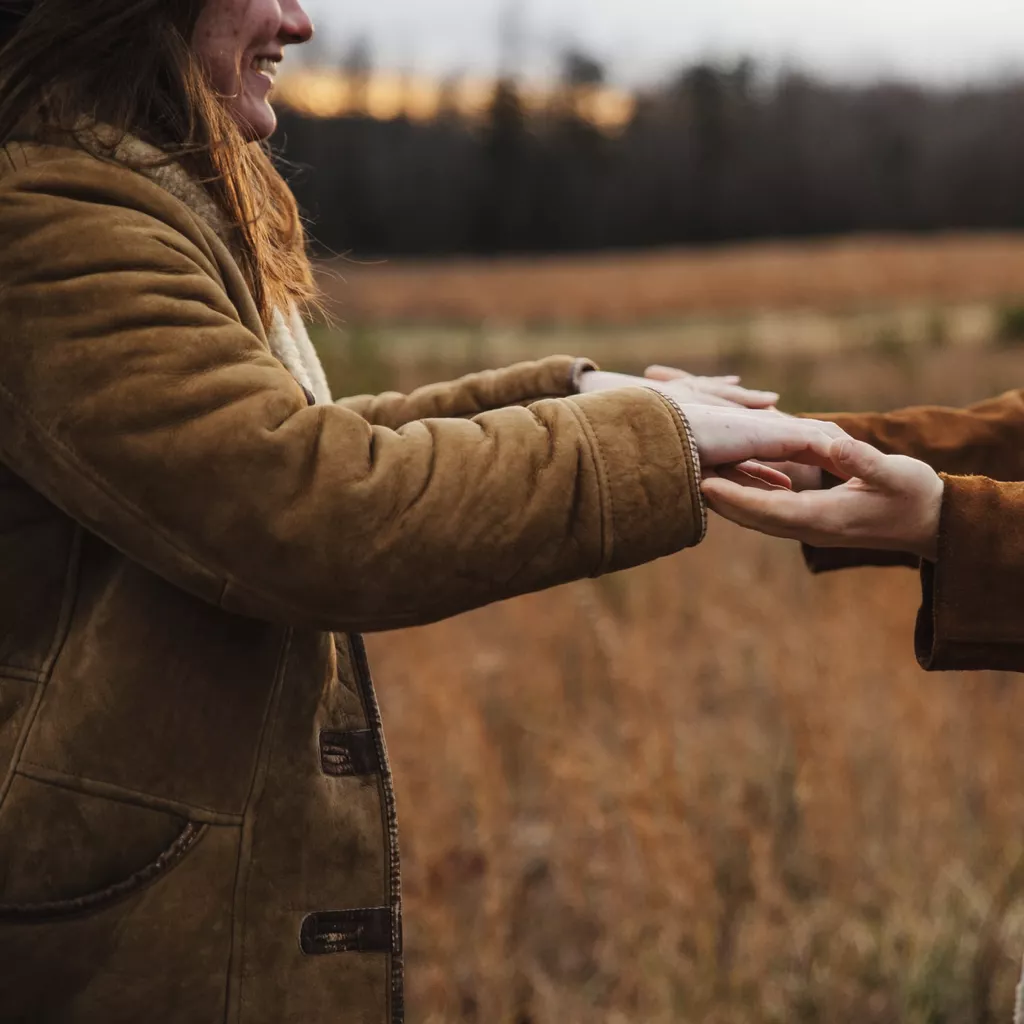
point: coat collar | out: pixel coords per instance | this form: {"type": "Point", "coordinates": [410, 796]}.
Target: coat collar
{"type": "Point", "coordinates": [288, 337]}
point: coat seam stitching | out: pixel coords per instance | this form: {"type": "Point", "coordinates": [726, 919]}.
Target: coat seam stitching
{"type": "Point", "coordinates": [122, 795]}
{"type": "Point", "coordinates": [243, 865]}
{"type": "Point", "coordinates": [389, 820]}
{"type": "Point", "coordinates": [60, 635]}
{"type": "Point", "coordinates": [101, 482]}
{"type": "Point", "coordinates": [11, 674]}
{"type": "Point", "coordinates": [607, 512]}
{"type": "Point", "coordinates": [101, 899]}
{"type": "Point", "coordinates": [689, 443]}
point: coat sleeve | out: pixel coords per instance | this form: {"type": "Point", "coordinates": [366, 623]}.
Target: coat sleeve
{"type": "Point", "coordinates": [524, 383]}
{"type": "Point", "coordinates": [972, 614]}
{"type": "Point", "coordinates": [986, 439]}
{"type": "Point", "coordinates": [133, 397]}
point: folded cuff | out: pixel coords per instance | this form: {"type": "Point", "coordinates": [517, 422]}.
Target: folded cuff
{"type": "Point", "coordinates": [822, 560]}
{"type": "Point", "coordinates": [652, 503]}
{"type": "Point", "coordinates": [972, 612]}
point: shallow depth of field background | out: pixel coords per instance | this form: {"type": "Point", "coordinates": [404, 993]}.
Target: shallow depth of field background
{"type": "Point", "coordinates": [713, 789]}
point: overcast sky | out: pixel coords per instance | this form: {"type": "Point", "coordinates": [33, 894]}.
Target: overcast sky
{"type": "Point", "coordinates": [642, 39]}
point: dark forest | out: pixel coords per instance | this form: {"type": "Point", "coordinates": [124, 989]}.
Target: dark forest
{"type": "Point", "coordinates": [719, 154]}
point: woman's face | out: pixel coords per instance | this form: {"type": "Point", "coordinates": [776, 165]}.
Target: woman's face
{"type": "Point", "coordinates": [241, 43]}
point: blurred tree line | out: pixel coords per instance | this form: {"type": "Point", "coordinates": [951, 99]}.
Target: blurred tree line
{"type": "Point", "coordinates": [720, 153]}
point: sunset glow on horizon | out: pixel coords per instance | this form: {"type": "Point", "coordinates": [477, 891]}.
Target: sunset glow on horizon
{"type": "Point", "coordinates": [385, 96]}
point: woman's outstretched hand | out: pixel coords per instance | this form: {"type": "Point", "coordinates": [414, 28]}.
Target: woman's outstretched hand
{"type": "Point", "coordinates": [735, 443]}
{"type": "Point", "coordinates": [728, 391]}
{"type": "Point", "coordinates": [685, 389]}
{"type": "Point", "coordinates": [888, 503]}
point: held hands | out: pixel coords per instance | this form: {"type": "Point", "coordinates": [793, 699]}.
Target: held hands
{"type": "Point", "coordinates": [763, 470]}
{"type": "Point", "coordinates": [735, 444]}
{"type": "Point", "coordinates": [888, 502]}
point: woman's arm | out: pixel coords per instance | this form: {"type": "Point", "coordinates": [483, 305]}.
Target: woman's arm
{"type": "Point", "coordinates": [525, 383]}
{"type": "Point", "coordinates": [134, 398]}
{"type": "Point", "coordinates": [555, 377]}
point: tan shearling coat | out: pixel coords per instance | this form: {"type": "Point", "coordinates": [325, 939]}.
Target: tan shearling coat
{"type": "Point", "coordinates": [197, 823]}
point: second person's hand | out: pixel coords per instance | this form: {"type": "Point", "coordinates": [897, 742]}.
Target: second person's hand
{"type": "Point", "coordinates": [888, 503]}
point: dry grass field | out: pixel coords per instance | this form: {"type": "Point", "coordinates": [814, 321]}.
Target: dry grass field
{"type": "Point", "coordinates": [632, 288]}
{"type": "Point", "coordinates": [714, 789]}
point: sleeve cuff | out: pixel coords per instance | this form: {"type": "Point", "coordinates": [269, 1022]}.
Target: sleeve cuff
{"type": "Point", "coordinates": [972, 612]}
{"type": "Point", "coordinates": [580, 367]}
{"type": "Point", "coordinates": [823, 560]}
{"type": "Point", "coordinates": [650, 481]}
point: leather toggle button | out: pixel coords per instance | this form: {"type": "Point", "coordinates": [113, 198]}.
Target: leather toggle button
{"type": "Point", "coordinates": [344, 754]}
{"type": "Point", "coordinates": [350, 931]}
{"type": "Point", "coordinates": [310, 397]}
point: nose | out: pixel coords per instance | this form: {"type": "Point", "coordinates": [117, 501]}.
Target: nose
{"type": "Point", "coordinates": [296, 24]}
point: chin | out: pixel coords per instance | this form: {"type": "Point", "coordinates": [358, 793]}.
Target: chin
{"type": "Point", "coordinates": [256, 120]}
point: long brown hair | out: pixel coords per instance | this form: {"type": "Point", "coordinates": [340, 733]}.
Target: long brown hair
{"type": "Point", "coordinates": [129, 65]}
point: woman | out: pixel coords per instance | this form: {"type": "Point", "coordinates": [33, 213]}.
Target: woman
{"type": "Point", "coordinates": [196, 816]}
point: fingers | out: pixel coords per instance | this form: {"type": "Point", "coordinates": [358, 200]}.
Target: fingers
{"type": "Point", "coordinates": [753, 473]}
{"type": "Point", "coordinates": [744, 397]}
{"type": "Point", "coordinates": [728, 437]}
{"type": "Point", "coordinates": [726, 388]}
{"type": "Point", "coordinates": [801, 477]}
{"type": "Point", "coordinates": [701, 397]}
{"type": "Point", "coordinates": [857, 459]}
{"type": "Point", "coordinates": [668, 373]}
{"type": "Point", "coordinates": [778, 513]}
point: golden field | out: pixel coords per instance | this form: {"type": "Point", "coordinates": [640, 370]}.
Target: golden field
{"type": "Point", "coordinates": [637, 287]}
{"type": "Point", "coordinates": [714, 789]}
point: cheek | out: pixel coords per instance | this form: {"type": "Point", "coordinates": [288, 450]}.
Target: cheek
{"type": "Point", "coordinates": [223, 33]}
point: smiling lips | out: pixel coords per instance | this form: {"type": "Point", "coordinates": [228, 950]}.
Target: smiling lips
{"type": "Point", "coordinates": [267, 66]}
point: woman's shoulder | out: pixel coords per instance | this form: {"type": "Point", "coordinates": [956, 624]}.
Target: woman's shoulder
{"type": "Point", "coordinates": [57, 187]}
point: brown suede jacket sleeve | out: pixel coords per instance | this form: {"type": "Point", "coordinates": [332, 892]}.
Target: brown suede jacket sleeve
{"type": "Point", "coordinates": [138, 396]}
{"type": "Point", "coordinates": [986, 439]}
{"type": "Point", "coordinates": [554, 377]}
{"type": "Point", "coordinates": [972, 615]}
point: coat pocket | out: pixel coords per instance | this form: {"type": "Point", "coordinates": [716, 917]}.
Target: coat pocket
{"type": "Point", "coordinates": [64, 853]}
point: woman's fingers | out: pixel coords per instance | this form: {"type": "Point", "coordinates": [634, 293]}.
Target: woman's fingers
{"type": "Point", "coordinates": [666, 373]}
{"type": "Point", "coordinates": [669, 373]}
{"type": "Point", "coordinates": [801, 477]}
{"type": "Point", "coordinates": [753, 473]}
{"type": "Point", "coordinates": [727, 388]}
{"type": "Point", "coordinates": [745, 397]}
{"type": "Point", "coordinates": [727, 437]}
